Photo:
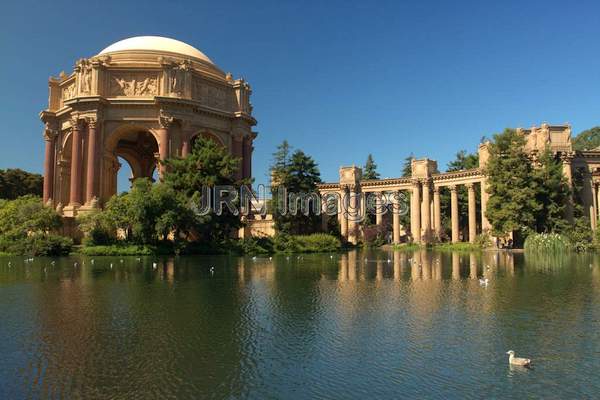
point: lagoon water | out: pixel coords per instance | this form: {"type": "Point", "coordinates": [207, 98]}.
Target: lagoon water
{"type": "Point", "coordinates": [356, 325]}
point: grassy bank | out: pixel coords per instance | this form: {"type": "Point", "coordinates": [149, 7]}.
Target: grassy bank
{"type": "Point", "coordinates": [315, 243]}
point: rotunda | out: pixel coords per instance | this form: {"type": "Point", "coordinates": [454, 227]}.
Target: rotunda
{"type": "Point", "coordinates": [142, 99]}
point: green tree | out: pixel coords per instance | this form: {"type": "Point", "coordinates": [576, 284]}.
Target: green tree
{"type": "Point", "coordinates": [463, 160]}
{"type": "Point", "coordinates": [208, 165]}
{"type": "Point", "coordinates": [298, 174]}
{"type": "Point", "coordinates": [16, 182]}
{"type": "Point", "coordinates": [552, 193]}
{"type": "Point", "coordinates": [370, 169]}
{"type": "Point", "coordinates": [29, 227]}
{"type": "Point", "coordinates": [281, 159]}
{"type": "Point", "coordinates": [146, 214]}
{"type": "Point", "coordinates": [588, 139]}
{"type": "Point", "coordinates": [512, 205]}
{"type": "Point", "coordinates": [407, 165]}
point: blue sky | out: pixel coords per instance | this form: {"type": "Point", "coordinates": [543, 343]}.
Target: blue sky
{"type": "Point", "coordinates": [337, 79]}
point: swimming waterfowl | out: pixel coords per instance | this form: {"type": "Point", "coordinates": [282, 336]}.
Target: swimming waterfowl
{"type": "Point", "coordinates": [483, 281]}
{"type": "Point", "coordinates": [523, 362]}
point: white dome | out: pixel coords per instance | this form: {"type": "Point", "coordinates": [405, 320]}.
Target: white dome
{"type": "Point", "coordinates": [156, 43]}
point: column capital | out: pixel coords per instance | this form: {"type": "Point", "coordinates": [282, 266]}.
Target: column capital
{"type": "Point", "coordinates": [92, 122]}
{"type": "Point", "coordinates": [166, 120]}
{"type": "Point", "coordinates": [567, 157]}
{"type": "Point", "coordinates": [49, 133]}
{"type": "Point", "coordinates": [452, 188]}
{"type": "Point", "coordinates": [415, 181]}
{"type": "Point", "coordinates": [76, 122]}
{"type": "Point", "coordinates": [436, 189]}
{"type": "Point", "coordinates": [470, 185]}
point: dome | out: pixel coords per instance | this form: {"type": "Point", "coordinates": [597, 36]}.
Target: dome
{"type": "Point", "coordinates": [156, 43]}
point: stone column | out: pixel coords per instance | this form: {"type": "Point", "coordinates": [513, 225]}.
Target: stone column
{"type": "Point", "coordinates": [186, 148]}
{"type": "Point", "coordinates": [237, 150]}
{"type": "Point", "coordinates": [343, 215]}
{"type": "Point", "coordinates": [378, 209]}
{"type": "Point", "coordinates": [247, 157]}
{"type": "Point", "coordinates": [164, 138]}
{"type": "Point", "coordinates": [92, 162]}
{"type": "Point", "coordinates": [594, 211]}
{"type": "Point", "coordinates": [566, 163]}
{"type": "Point", "coordinates": [454, 213]}
{"type": "Point", "coordinates": [415, 212]}
{"type": "Point", "coordinates": [472, 213]}
{"type": "Point", "coordinates": [426, 212]}
{"type": "Point", "coordinates": [396, 218]}
{"type": "Point", "coordinates": [353, 214]}
{"type": "Point", "coordinates": [49, 163]}
{"type": "Point", "coordinates": [598, 203]}
{"type": "Point", "coordinates": [485, 224]}
{"type": "Point", "coordinates": [437, 218]}
{"type": "Point", "coordinates": [76, 163]}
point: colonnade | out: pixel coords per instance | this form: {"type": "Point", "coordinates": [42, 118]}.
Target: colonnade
{"type": "Point", "coordinates": [425, 209]}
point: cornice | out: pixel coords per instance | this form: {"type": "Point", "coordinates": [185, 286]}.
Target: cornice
{"type": "Point", "coordinates": [467, 173]}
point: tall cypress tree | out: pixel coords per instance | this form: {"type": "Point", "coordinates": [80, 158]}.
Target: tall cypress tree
{"type": "Point", "coordinates": [370, 169]}
{"type": "Point", "coordinates": [407, 166]}
{"type": "Point", "coordinates": [512, 205]}
{"type": "Point", "coordinates": [552, 194]}
{"type": "Point", "coordinates": [299, 174]}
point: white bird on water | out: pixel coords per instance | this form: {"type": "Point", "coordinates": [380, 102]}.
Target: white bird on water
{"type": "Point", "coordinates": [483, 281]}
{"type": "Point", "coordinates": [154, 265]}
{"type": "Point", "coordinates": [512, 360]}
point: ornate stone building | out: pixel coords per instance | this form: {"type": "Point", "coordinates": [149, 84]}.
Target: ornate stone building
{"type": "Point", "coordinates": [143, 99]}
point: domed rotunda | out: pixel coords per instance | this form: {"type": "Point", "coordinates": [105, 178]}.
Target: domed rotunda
{"type": "Point", "coordinates": [143, 99]}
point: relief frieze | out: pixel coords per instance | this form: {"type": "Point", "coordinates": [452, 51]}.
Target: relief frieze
{"type": "Point", "coordinates": [133, 84]}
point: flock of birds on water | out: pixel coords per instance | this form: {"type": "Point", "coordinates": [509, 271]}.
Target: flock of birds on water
{"type": "Point", "coordinates": [512, 360]}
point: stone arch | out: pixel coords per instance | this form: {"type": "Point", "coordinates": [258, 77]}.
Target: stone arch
{"type": "Point", "coordinates": [138, 145]}
{"type": "Point", "coordinates": [206, 134]}
{"type": "Point", "coordinates": [63, 170]}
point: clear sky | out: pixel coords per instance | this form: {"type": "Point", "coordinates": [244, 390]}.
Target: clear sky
{"type": "Point", "coordinates": [337, 79]}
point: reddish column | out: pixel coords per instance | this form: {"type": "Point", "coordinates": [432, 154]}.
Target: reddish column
{"type": "Point", "coordinates": [49, 161]}
{"type": "Point", "coordinates": [76, 164]}
{"type": "Point", "coordinates": [247, 163]}
{"type": "Point", "coordinates": [238, 152]}
{"type": "Point", "coordinates": [92, 162]}
{"type": "Point", "coordinates": [163, 148]}
{"type": "Point", "coordinates": [185, 148]}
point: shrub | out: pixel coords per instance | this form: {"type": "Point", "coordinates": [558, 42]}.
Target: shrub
{"type": "Point", "coordinates": [483, 240]}
{"type": "Point", "coordinates": [318, 242]}
{"type": "Point", "coordinates": [37, 245]}
{"type": "Point", "coordinates": [547, 243]}
{"type": "Point", "coordinates": [118, 250]}
{"type": "Point", "coordinates": [580, 235]}
{"type": "Point", "coordinates": [254, 245]}
{"type": "Point", "coordinates": [27, 226]}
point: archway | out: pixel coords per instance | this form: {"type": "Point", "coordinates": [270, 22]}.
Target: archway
{"type": "Point", "coordinates": [207, 135]}
{"type": "Point", "coordinates": [134, 153]}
